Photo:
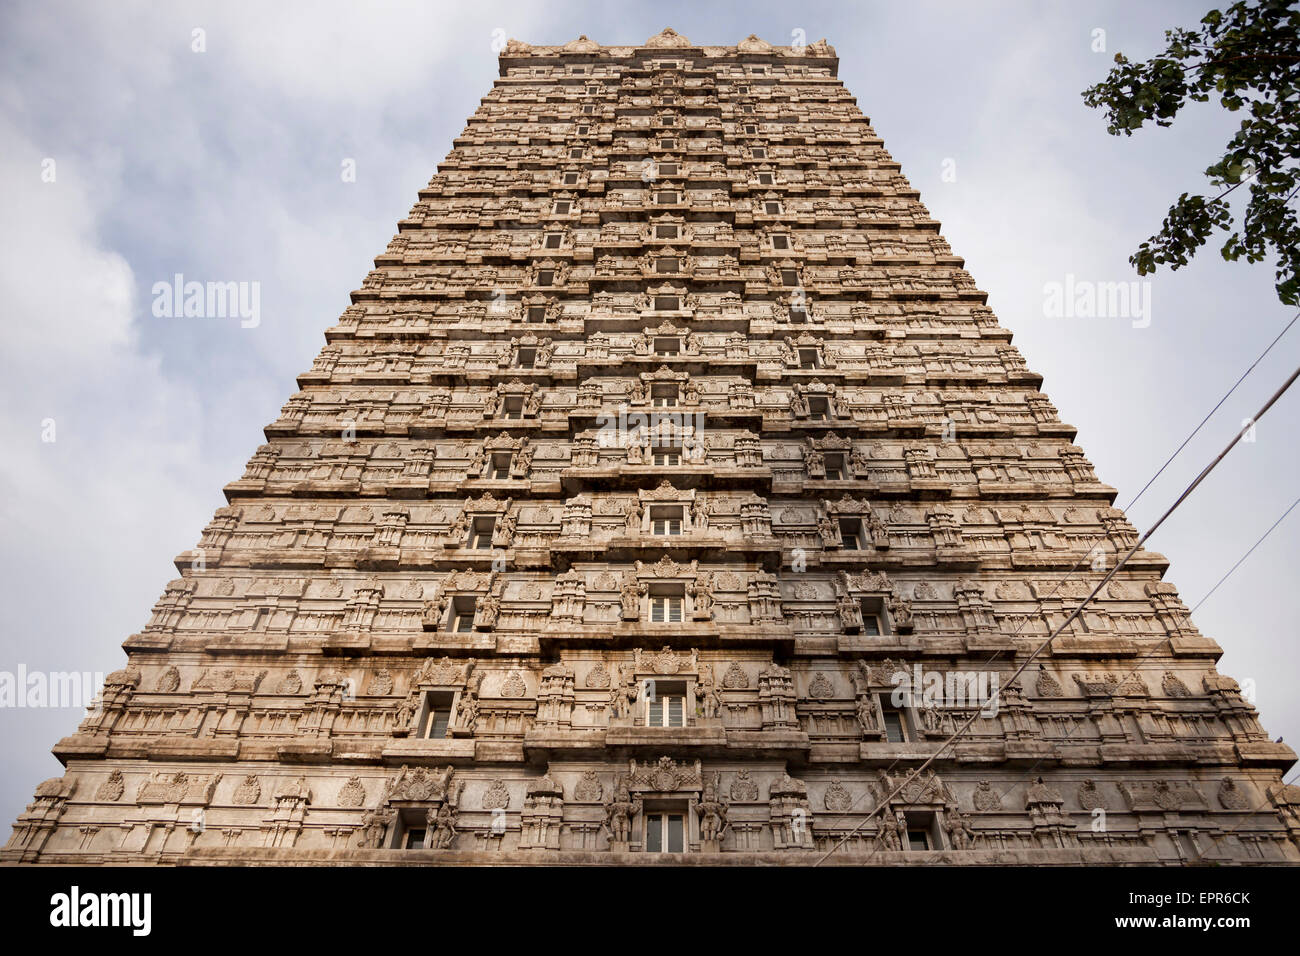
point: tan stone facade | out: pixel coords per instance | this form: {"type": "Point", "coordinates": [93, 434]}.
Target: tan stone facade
{"type": "Point", "coordinates": [667, 436]}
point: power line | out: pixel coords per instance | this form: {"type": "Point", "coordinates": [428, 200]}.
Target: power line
{"type": "Point", "coordinates": [1079, 563]}
{"type": "Point", "coordinates": [1247, 554]}
{"type": "Point", "coordinates": [1210, 415]}
{"type": "Point", "coordinates": [1075, 613]}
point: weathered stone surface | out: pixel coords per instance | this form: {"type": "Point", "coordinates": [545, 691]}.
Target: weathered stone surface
{"type": "Point", "coordinates": [665, 438]}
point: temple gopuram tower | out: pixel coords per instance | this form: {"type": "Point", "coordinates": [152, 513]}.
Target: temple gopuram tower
{"type": "Point", "coordinates": [667, 488]}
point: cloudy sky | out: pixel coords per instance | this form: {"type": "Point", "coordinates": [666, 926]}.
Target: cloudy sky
{"type": "Point", "coordinates": [225, 165]}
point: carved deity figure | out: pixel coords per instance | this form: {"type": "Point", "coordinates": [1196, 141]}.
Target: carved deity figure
{"type": "Point", "coordinates": [701, 590]}
{"type": "Point", "coordinates": [960, 834]}
{"type": "Point", "coordinates": [442, 826]}
{"type": "Point", "coordinates": [890, 831]}
{"type": "Point", "coordinates": [712, 810]}
{"type": "Point", "coordinates": [620, 810]}
{"type": "Point", "coordinates": [630, 596]}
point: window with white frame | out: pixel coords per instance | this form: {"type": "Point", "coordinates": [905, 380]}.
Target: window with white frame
{"type": "Point", "coordinates": [666, 608]}
{"type": "Point", "coordinates": [834, 460]}
{"type": "Point", "coordinates": [663, 396]}
{"type": "Point", "coordinates": [437, 715]}
{"type": "Point", "coordinates": [480, 537]}
{"type": "Point", "coordinates": [895, 722]}
{"type": "Point", "coordinates": [870, 617]}
{"type": "Point", "coordinates": [665, 832]}
{"type": "Point", "coordinates": [666, 519]}
{"type": "Point", "coordinates": [462, 614]}
{"type": "Point", "coordinates": [665, 703]}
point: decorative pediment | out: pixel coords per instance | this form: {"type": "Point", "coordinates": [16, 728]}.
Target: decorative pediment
{"type": "Point", "coordinates": [421, 785]}
{"type": "Point", "coordinates": [921, 790]}
{"type": "Point", "coordinates": [515, 387]}
{"type": "Point", "coordinates": [667, 39]}
{"type": "Point", "coordinates": [666, 661]}
{"type": "Point", "coordinates": [666, 492]}
{"type": "Point", "coordinates": [487, 504]}
{"type": "Point", "coordinates": [465, 581]}
{"type": "Point", "coordinates": [581, 45]}
{"type": "Point", "coordinates": [666, 567]}
{"type": "Point", "coordinates": [847, 506]}
{"type": "Point", "coordinates": [667, 328]}
{"type": "Point", "coordinates": [666, 776]}
{"type": "Point", "coordinates": [831, 442]}
{"type": "Point", "coordinates": [442, 672]}
{"type": "Point", "coordinates": [664, 374]}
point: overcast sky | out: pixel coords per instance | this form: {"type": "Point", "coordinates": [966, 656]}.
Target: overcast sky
{"type": "Point", "coordinates": [225, 165]}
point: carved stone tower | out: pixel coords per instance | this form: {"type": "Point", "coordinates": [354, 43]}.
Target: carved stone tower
{"type": "Point", "coordinates": [667, 487]}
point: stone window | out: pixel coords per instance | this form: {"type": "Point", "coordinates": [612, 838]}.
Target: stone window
{"type": "Point", "coordinates": [895, 720]}
{"type": "Point", "coordinates": [851, 533]}
{"type": "Point", "coordinates": [819, 409]}
{"type": "Point", "coordinates": [759, 152]}
{"type": "Point", "coordinates": [665, 832]}
{"type": "Point", "coordinates": [663, 396]}
{"type": "Point", "coordinates": [871, 617]}
{"type": "Point", "coordinates": [667, 264]}
{"type": "Point", "coordinates": [562, 207]}
{"type": "Point", "coordinates": [808, 358]}
{"type": "Point", "coordinates": [667, 345]}
{"type": "Point", "coordinates": [666, 605]}
{"type": "Point", "coordinates": [514, 407]}
{"type": "Point", "coordinates": [480, 537]}
{"type": "Point", "coordinates": [537, 313]}
{"type": "Point", "coordinates": [667, 232]}
{"type": "Point", "coordinates": [751, 128]}
{"type": "Point", "coordinates": [437, 715]}
{"type": "Point", "coordinates": [666, 197]}
{"type": "Point", "coordinates": [666, 455]}
{"type": "Point", "coordinates": [570, 179]}
{"type": "Point", "coordinates": [665, 703]}
{"type": "Point", "coordinates": [834, 460]}
{"type": "Point", "coordinates": [667, 303]}
{"type": "Point", "coordinates": [765, 179]}
{"type": "Point", "coordinates": [413, 839]}
{"type": "Point", "coordinates": [546, 277]}
{"type": "Point", "coordinates": [781, 241]}
{"type": "Point", "coordinates": [666, 519]}
{"type": "Point", "coordinates": [501, 464]}
{"type": "Point", "coordinates": [922, 831]}
{"type": "Point", "coordinates": [462, 610]}
{"type": "Point", "coordinates": [668, 169]}
{"type": "Point", "coordinates": [554, 239]}
{"type": "Point", "coordinates": [527, 357]}
{"type": "Point", "coordinates": [773, 208]}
